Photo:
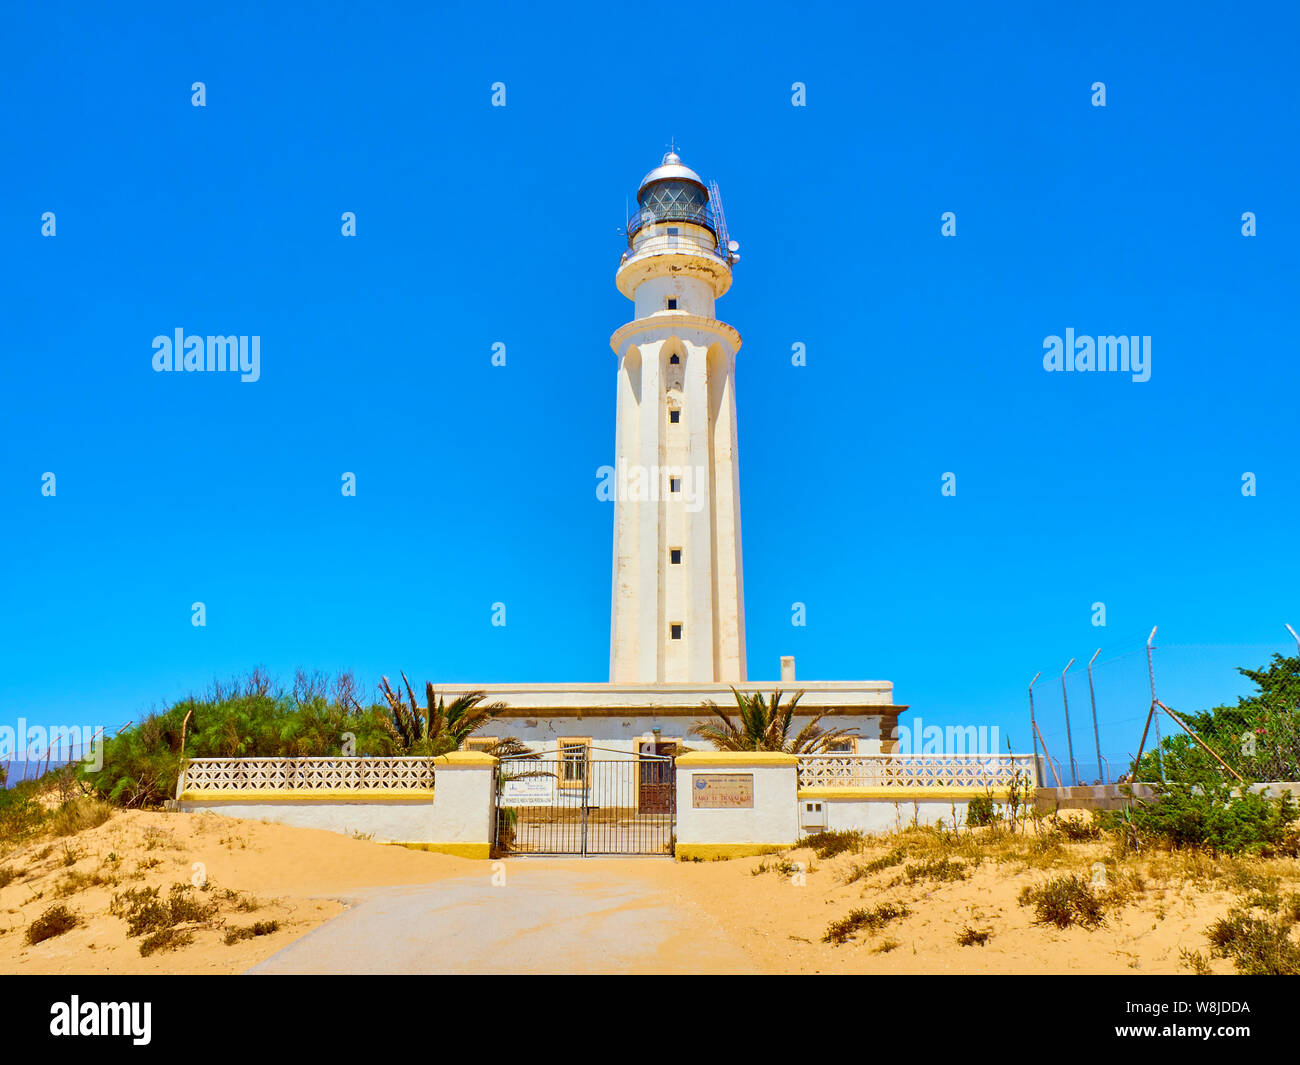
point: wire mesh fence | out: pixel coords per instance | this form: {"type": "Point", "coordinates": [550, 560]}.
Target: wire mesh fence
{"type": "Point", "coordinates": [33, 763]}
{"type": "Point", "coordinates": [1090, 721]}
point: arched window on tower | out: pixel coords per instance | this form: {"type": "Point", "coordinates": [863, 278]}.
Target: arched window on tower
{"type": "Point", "coordinates": [674, 359]}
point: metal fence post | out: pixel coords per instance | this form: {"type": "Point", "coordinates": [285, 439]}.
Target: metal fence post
{"type": "Point", "coordinates": [1096, 735]}
{"type": "Point", "coordinates": [1069, 739]}
{"type": "Point", "coordinates": [1033, 724]}
{"type": "Point", "coordinates": [1151, 674]}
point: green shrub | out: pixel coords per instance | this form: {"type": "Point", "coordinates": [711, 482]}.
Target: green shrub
{"type": "Point", "coordinates": [21, 816]}
{"type": "Point", "coordinates": [981, 811]}
{"type": "Point", "coordinates": [872, 920]}
{"type": "Point", "coordinates": [53, 922]}
{"type": "Point", "coordinates": [165, 939]}
{"type": "Point", "coordinates": [876, 865]}
{"type": "Point", "coordinates": [1063, 901]}
{"type": "Point", "coordinates": [942, 869]}
{"type": "Point", "coordinates": [144, 912]}
{"type": "Point", "coordinates": [829, 844]}
{"type": "Point", "coordinates": [259, 928]}
{"type": "Point", "coordinates": [1075, 830]}
{"type": "Point", "coordinates": [1209, 816]}
{"type": "Point", "coordinates": [1257, 946]}
{"type": "Point", "coordinates": [783, 866]}
{"type": "Point", "coordinates": [245, 718]}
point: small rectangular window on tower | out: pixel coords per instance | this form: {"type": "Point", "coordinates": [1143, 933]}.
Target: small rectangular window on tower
{"type": "Point", "coordinates": [676, 630]}
{"type": "Point", "coordinates": [674, 416]}
{"type": "Point", "coordinates": [672, 303]}
{"type": "Point", "coordinates": [675, 556]}
{"type": "Point", "coordinates": [674, 484]}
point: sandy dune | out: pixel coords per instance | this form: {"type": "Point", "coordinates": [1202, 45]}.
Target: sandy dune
{"type": "Point", "coordinates": [394, 910]}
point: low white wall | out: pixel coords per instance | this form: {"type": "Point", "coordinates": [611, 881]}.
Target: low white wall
{"type": "Point", "coordinates": [770, 823]}
{"type": "Point", "coordinates": [384, 821]}
{"type": "Point", "coordinates": [874, 816]}
{"type": "Point", "coordinates": [457, 816]}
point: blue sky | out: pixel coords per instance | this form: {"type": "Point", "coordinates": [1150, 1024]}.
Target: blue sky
{"type": "Point", "coordinates": [479, 225]}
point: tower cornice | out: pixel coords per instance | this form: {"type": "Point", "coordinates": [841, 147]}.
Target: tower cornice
{"type": "Point", "coordinates": [667, 261]}
{"type": "Point", "coordinates": [672, 322]}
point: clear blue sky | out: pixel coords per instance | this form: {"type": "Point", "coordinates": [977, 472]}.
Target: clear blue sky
{"type": "Point", "coordinates": [479, 224]}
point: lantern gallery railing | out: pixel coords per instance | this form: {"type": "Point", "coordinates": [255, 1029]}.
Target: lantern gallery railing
{"type": "Point", "coordinates": [915, 770]}
{"type": "Point", "coordinates": [306, 775]}
{"type": "Point", "coordinates": [683, 212]}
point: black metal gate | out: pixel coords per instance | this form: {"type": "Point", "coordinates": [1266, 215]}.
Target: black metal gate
{"type": "Point", "coordinates": [586, 800]}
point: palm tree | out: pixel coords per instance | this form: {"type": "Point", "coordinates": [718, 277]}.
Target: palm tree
{"type": "Point", "coordinates": [765, 726]}
{"type": "Point", "coordinates": [441, 726]}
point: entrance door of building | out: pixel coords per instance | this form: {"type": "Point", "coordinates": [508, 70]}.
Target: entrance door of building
{"type": "Point", "coordinates": [657, 778]}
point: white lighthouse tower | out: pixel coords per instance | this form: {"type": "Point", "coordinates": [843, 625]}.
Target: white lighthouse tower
{"type": "Point", "coordinates": [677, 630]}
{"type": "Point", "coordinates": [678, 610]}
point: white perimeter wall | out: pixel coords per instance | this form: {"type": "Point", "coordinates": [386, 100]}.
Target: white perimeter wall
{"type": "Point", "coordinates": [382, 821]}
{"type": "Point", "coordinates": [461, 809]}
{"type": "Point", "coordinates": [882, 815]}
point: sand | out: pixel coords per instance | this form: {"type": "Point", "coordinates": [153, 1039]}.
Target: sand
{"type": "Point", "coordinates": [406, 908]}
{"type": "Point", "coordinates": [297, 875]}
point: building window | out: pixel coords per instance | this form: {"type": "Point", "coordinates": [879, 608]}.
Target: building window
{"type": "Point", "coordinates": [674, 484]}
{"type": "Point", "coordinates": [574, 763]}
{"type": "Point", "coordinates": [674, 415]}
{"type": "Point", "coordinates": [848, 745]}
{"type": "Point", "coordinates": [481, 743]}
{"type": "Point", "coordinates": [675, 556]}
{"type": "Point", "coordinates": [672, 303]}
{"type": "Point", "coordinates": [674, 360]}
{"type": "Point", "coordinates": [675, 629]}
{"type": "Point", "coordinates": [673, 231]}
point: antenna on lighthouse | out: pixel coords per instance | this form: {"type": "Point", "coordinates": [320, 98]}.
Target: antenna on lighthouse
{"type": "Point", "coordinates": [729, 248]}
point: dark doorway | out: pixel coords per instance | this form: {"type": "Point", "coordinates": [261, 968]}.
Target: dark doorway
{"type": "Point", "coordinates": [656, 788]}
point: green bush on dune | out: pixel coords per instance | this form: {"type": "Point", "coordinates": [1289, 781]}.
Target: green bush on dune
{"type": "Point", "coordinates": [250, 718]}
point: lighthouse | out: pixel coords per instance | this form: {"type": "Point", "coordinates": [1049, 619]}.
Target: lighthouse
{"type": "Point", "coordinates": [678, 602]}
{"type": "Point", "coordinates": [677, 612]}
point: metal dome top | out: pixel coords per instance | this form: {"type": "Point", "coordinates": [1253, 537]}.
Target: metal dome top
{"type": "Point", "coordinates": [671, 169]}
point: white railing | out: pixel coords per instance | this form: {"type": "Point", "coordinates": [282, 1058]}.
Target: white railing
{"type": "Point", "coordinates": [306, 774]}
{"type": "Point", "coordinates": [914, 770]}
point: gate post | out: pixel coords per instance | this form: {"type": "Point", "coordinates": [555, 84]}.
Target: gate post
{"type": "Point", "coordinates": [735, 803]}
{"type": "Point", "coordinates": [464, 804]}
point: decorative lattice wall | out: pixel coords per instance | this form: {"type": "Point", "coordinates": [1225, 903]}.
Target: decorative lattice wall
{"type": "Point", "coordinates": [914, 770]}
{"type": "Point", "coordinates": [362, 775]}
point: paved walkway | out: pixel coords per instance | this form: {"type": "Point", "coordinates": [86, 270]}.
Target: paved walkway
{"type": "Point", "coordinates": [550, 916]}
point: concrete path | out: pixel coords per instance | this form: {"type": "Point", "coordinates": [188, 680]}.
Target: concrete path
{"type": "Point", "coordinates": [549, 916]}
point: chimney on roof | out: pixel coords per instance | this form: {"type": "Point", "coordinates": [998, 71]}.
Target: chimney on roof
{"type": "Point", "coordinates": [787, 668]}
